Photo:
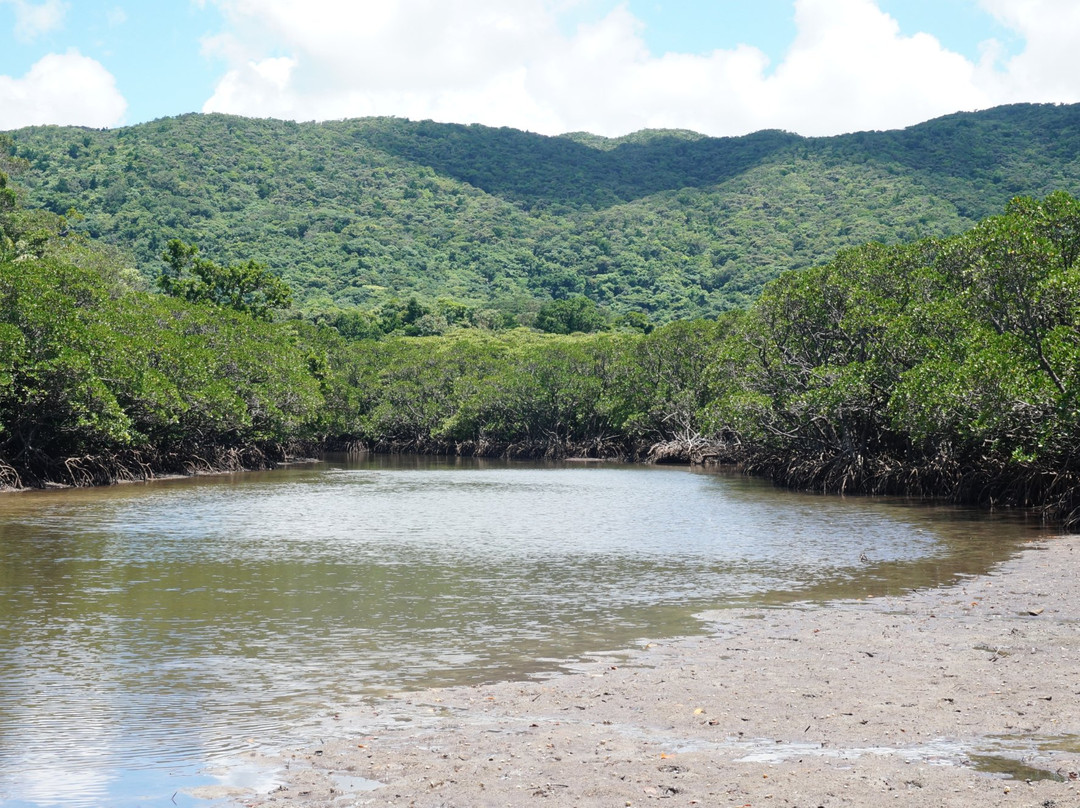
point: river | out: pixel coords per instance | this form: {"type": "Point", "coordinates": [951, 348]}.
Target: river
{"type": "Point", "coordinates": [152, 634]}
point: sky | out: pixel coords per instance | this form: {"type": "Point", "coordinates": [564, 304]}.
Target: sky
{"type": "Point", "coordinates": [610, 67]}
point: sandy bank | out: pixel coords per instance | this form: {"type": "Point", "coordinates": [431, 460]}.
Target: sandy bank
{"type": "Point", "coordinates": [892, 701]}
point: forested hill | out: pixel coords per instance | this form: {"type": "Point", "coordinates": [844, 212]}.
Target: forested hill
{"type": "Point", "coordinates": [670, 223]}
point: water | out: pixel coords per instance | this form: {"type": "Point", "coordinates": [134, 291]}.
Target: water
{"type": "Point", "coordinates": [148, 632]}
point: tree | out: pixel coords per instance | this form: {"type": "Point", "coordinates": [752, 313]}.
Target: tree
{"type": "Point", "coordinates": [248, 287]}
{"type": "Point", "coordinates": [8, 204]}
{"type": "Point", "coordinates": [574, 314]}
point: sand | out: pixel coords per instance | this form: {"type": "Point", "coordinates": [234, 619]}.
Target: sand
{"type": "Point", "coordinates": [899, 701]}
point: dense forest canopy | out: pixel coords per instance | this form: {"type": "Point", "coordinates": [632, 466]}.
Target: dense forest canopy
{"type": "Point", "coordinates": [661, 225]}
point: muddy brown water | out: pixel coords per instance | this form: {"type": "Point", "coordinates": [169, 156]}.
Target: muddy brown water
{"type": "Point", "coordinates": [150, 632]}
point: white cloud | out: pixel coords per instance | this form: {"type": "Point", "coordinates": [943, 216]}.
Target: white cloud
{"type": "Point", "coordinates": [63, 88]}
{"type": "Point", "coordinates": [1046, 69]}
{"type": "Point", "coordinates": [32, 20]}
{"type": "Point", "coordinates": [509, 62]}
{"type": "Point", "coordinates": [850, 68]}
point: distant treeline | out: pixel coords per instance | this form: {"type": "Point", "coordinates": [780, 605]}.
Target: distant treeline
{"type": "Point", "coordinates": [660, 225]}
{"type": "Point", "coordinates": [945, 368]}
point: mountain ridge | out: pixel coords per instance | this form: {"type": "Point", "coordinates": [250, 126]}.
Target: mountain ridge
{"type": "Point", "coordinates": [670, 223]}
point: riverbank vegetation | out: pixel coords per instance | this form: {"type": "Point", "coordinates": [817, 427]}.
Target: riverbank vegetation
{"type": "Point", "coordinates": [943, 367]}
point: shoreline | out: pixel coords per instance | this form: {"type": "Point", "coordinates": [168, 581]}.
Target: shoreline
{"type": "Point", "coordinates": [164, 476]}
{"type": "Point", "coordinates": [914, 700]}
{"type": "Point", "coordinates": [233, 461]}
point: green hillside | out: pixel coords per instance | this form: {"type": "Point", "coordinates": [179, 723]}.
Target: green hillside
{"type": "Point", "coordinates": [671, 223]}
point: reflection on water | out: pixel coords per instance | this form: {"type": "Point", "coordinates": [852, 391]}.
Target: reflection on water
{"type": "Point", "coordinates": [146, 630]}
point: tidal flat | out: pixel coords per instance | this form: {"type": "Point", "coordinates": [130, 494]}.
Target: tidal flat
{"type": "Point", "coordinates": [964, 695]}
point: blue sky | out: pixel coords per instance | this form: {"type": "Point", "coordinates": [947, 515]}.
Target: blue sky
{"type": "Point", "coordinates": [724, 67]}
{"type": "Point", "coordinates": [699, 27]}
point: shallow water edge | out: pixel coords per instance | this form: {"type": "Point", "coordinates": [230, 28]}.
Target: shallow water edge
{"type": "Point", "coordinates": [154, 630]}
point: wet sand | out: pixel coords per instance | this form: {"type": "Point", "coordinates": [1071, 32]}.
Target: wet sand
{"type": "Point", "coordinates": [902, 701]}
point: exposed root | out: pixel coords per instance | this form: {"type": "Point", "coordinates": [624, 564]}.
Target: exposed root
{"type": "Point", "coordinates": [693, 449]}
{"type": "Point", "coordinates": [38, 471]}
